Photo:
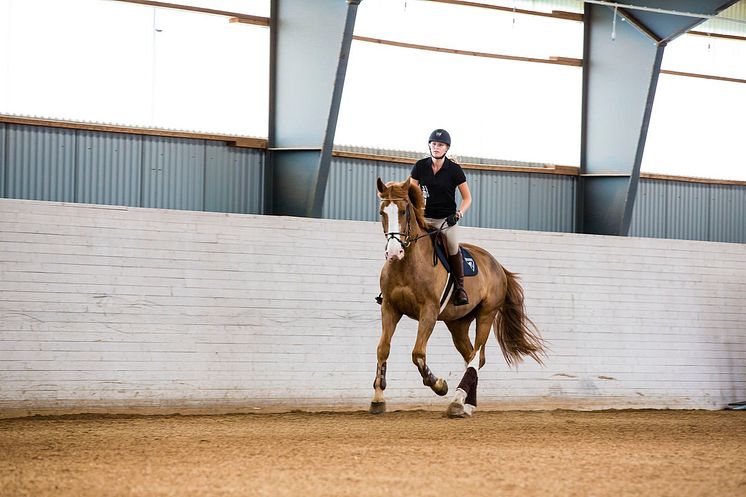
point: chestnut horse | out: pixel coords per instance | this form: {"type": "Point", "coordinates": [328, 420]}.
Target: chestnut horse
{"type": "Point", "coordinates": [412, 285]}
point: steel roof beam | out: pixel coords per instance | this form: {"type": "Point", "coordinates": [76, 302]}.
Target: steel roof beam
{"type": "Point", "coordinates": [309, 48]}
{"type": "Point", "coordinates": [622, 62]}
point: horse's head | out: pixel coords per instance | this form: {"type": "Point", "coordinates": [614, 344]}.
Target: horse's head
{"type": "Point", "coordinates": [402, 215]}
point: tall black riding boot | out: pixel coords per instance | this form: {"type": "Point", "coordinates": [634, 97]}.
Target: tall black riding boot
{"type": "Point", "coordinates": [457, 269]}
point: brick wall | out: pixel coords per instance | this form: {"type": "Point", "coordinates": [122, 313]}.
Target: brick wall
{"type": "Point", "coordinates": [109, 308]}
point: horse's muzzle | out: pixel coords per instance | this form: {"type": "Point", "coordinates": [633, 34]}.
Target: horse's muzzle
{"type": "Point", "coordinates": [395, 254]}
{"type": "Point", "coordinates": [394, 249]}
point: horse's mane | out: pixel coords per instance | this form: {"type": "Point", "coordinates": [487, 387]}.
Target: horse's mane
{"type": "Point", "coordinates": [418, 202]}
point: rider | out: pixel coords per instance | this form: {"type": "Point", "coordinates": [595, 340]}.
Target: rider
{"type": "Point", "coordinates": [438, 177]}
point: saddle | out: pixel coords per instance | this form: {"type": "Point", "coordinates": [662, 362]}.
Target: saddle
{"type": "Point", "coordinates": [470, 265]}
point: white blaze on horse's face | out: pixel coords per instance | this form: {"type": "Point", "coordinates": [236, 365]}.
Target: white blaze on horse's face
{"type": "Point", "coordinates": [394, 248]}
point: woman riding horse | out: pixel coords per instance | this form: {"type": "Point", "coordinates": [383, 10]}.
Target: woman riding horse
{"type": "Point", "coordinates": [411, 285]}
{"type": "Point", "coordinates": [438, 177]}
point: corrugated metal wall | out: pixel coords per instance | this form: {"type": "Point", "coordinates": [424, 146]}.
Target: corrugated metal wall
{"type": "Point", "coordinates": [727, 213]}
{"type": "Point", "coordinates": [3, 155]}
{"type": "Point", "coordinates": [173, 173]}
{"type": "Point", "coordinates": [44, 163]}
{"type": "Point", "coordinates": [690, 211]}
{"type": "Point", "coordinates": [109, 168]}
{"type": "Point", "coordinates": [499, 201]}
{"type": "Point", "coordinates": [234, 179]}
{"type": "Point", "coordinates": [529, 201]}
{"type": "Point", "coordinates": [546, 202]}
{"type": "Point", "coordinates": [40, 163]}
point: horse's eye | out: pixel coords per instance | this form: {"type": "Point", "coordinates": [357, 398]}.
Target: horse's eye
{"type": "Point", "coordinates": [401, 212]}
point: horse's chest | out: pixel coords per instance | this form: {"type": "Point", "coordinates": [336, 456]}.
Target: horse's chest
{"type": "Point", "coordinates": [405, 299]}
{"type": "Point", "coordinates": [409, 291]}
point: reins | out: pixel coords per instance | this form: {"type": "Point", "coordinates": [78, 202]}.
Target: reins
{"type": "Point", "coordinates": [433, 232]}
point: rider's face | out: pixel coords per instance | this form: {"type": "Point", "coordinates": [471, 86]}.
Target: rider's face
{"type": "Point", "coordinates": [438, 149]}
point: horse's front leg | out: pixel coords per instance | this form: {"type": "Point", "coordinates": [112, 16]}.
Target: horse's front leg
{"type": "Point", "coordinates": [424, 330]}
{"type": "Point", "coordinates": [389, 319]}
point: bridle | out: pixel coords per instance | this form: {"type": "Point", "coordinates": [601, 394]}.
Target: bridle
{"type": "Point", "coordinates": [406, 238]}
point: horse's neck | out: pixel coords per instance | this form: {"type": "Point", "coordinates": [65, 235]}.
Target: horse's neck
{"type": "Point", "coordinates": [421, 255]}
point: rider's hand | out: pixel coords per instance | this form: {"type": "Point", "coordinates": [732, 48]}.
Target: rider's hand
{"type": "Point", "coordinates": [452, 219]}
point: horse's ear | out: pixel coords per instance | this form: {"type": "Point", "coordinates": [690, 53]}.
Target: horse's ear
{"type": "Point", "coordinates": [381, 187]}
{"type": "Point", "coordinates": [410, 188]}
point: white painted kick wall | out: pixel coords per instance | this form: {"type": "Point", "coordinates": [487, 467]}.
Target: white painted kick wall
{"type": "Point", "coordinates": [116, 308]}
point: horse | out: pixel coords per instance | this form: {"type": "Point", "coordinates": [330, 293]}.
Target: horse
{"type": "Point", "coordinates": [412, 285]}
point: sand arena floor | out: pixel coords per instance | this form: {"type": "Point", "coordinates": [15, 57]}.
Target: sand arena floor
{"type": "Point", "coordinates": [407, 453]}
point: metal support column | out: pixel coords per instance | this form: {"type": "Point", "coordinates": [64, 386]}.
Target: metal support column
{"type": "Point", "coordinates": [622, 55]}
{"type": "Point", "coordinates": [309, 48]}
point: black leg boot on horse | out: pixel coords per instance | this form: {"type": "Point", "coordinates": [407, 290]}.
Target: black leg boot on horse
{"type": "Point", "coordinates": [457, 269]}
{"type": "Point", "coordinates": [465, 401]}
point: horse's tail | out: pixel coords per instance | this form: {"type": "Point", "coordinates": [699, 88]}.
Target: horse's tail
{"type": "Point", "coordinates": [516, 333]}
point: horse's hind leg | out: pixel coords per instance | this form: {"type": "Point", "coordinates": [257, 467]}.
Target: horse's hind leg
{"type": "Point", "coordinates": [465, 401]}
{"type": "Point", "coordinates": [389, 319]}
{"type": "Point", "coordinates": [460, 335]}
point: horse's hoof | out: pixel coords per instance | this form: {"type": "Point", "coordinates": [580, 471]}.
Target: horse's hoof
{"type": "Point", "coordinates": [440, 387]}
{"type": "Point", "coordinates": [377, 407]}
{"type": "Point", "coordinates": [455, 410]}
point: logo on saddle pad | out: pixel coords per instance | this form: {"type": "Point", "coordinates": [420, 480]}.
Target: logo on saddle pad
{"type": "Point", "coordinates": [470, 262]}
{"type": "Point", "coordinates": [470, 265]}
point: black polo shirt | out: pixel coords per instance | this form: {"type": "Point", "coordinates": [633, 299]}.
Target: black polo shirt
{"type": "Point", "coordinates": [439, 189]}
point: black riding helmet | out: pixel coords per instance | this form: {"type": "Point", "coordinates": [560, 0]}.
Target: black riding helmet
{"type": "Point", "coordinates": [440, 135]}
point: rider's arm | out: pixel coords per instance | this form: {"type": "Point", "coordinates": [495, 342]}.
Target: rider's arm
{"type": "Point", "coordinates": [463, 189]}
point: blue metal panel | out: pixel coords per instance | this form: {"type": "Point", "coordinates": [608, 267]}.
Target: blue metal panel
{"type": "Point", "coordinates": [619, 81]}
{"type": "Point", "coordinates": [727, 213]}
{"type": "Point", "coordinates": [3, 149]}
{"type": "Point", "coordinates": [688, 211]}
{"type": "Point", "coordinates": [500, 199]}
{"type": "Point", "coordinates": [649, 215]}
{"type": "Point", "coordinates": [234, 179]}
{"type": "Point", "coordinates": [109, 169]}
{"type": "Point", "coordinates": [552, 206]}
{"type": "Point", "coordinates": [309, 48]}
{"type": "Point", "coordinates": [294, 181]}
{"type": "Point", "coordinates": [40, 163]}
{"type": "Point", "coordinates": [173, 173]}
